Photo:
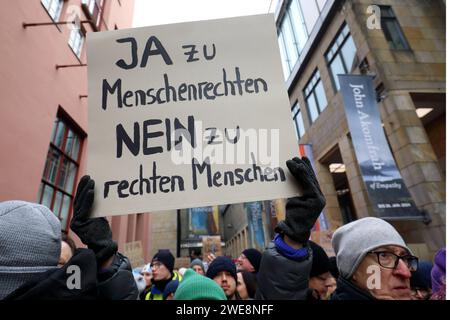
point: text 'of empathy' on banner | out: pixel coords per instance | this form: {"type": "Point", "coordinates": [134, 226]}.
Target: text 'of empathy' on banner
{"type": "Point", "coordinates": [188, 115]}
{"type": "Point", "coordinates": [388, 193]}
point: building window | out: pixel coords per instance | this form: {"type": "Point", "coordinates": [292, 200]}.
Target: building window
{"type": "Point", "coordinates": [93, 9]}
{"type": "Point", "coordinates": [76, 40]}
{"type": "Point", "coordinates": [61, 167]}
{"type": "Point", "coordinates": [53, 8]}
{"type": "Point", "coordinates": [296, 25]}
{"type": "Point", "coordinates": [292, 37]}
{"type": "Point", "coordinates": [392, 30]}
{"type": "Point", "coordinates": [315, 96]}
{"type": "Point", "coordinates": [341, 55]}
{"type": "Point", "coordinates": [298, 120]}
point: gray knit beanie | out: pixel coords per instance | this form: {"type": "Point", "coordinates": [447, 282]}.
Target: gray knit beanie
{"type": "Point", "coordinates": [197, 262]}
{"type": "Point", "coordinates": [30, 243]}
{"type": "Point", "coordinates": [354, 240]}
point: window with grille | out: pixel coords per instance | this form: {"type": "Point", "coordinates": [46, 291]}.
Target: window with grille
{"type": "Point", "coordinates": [298, 121]}
{"type": "Point", "coordinates": [54, 8]}
{"type": "Point", "coordinates": [341, 55]}
{"type": "Point", "coordinates": [76, 40]}
{"type": "Point", "coordinates": [93, 9]}
{"type": "Point", "coordinates": [392, 30]}
{"type": "Point", "coordinates": [315, 96]}
{"type": "Point", "coordinates": [61, 167]}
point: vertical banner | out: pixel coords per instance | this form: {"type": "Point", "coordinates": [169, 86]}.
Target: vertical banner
{"type": "Point", "coordinates": [389, 196]}
{"type": "Point", "coordinates": [255, 224]}
{"type": "Point", "coordinates": [306, 151]}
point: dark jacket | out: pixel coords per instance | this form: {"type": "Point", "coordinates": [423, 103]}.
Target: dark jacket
{"type": "Point", "coordinates": [114, 283]}
{"type": "Point", "coordinates": [345, 290]}
{"type": "Point", "coordinates": [280, 278]}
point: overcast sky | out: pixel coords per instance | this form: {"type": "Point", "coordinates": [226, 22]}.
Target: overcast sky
{"type": "Point", "coordinates": [155, 12]}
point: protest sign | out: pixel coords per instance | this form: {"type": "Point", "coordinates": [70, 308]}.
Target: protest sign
{"type": "Point", "coordinates": [188, 115]}
{"type": "Point", "coordinates": [212, 245]}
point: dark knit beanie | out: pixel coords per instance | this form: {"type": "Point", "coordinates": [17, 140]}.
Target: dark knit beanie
{"type": "Point", "coordinates": [220, 264]}
{"type": "Point", "coordinates": [166, 258]}
{"type": "Point", "coordinates": [254, 256]}
{"type": "Point", "coordinates": [333, 267]}
{"type": "Point", "coordinates": [321, 262]}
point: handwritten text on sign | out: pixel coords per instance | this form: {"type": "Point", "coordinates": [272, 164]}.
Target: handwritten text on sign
{"type": "Point", "coordinates": [188, 115]}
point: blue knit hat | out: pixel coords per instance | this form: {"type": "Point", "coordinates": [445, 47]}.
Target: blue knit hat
{"type": "Point", "coordinates": [220, 264]}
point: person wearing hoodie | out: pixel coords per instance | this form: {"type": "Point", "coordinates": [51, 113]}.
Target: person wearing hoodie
{"type": "Point", "coordinates": [289, 252]}
{"type": "Point", "coordinates": [373, 260]}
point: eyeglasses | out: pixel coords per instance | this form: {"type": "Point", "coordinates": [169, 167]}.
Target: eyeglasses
{"type": "Point", "coordinates": [390, 260]}
{"type": "Point", "coordinates": [156, 265]}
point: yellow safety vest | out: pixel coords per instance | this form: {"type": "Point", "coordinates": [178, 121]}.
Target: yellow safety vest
{"type": "Point", "coordinates": [159, 296]}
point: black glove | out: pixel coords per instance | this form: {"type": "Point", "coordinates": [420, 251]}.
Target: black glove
{"type": "Point", "coordinates": [302, 212]}
{"type": "Point", "coordinates": [93, 232]}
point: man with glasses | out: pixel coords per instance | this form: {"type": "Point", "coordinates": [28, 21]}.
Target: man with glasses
{"type": "Point", "coordinates": [373, 261]}
{"type": "Point", "coordinates": [162, 272]}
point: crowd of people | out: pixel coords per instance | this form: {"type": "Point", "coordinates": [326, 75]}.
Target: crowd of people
{"type": "Point", "coordinates": [371, 262]}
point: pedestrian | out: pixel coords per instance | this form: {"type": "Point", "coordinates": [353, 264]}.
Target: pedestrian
{"type": "Point", "coordinates": [223, 271]}
{"type": "Point", "coordinates": [373, 260]}
{"type": "Point", "coordinates": [197, 266]}
{"type": "Point", "coordinates": [30, 237]}
{"type": "Point", "coordinates": [438, 276]}
{"type": "Point", "coordinates": [320, 272]}
{"type": "Point", "coordinates": [197, 287]}
{"type": "Point", "coordinates": [421, 281]}
{"type": "Point", "coordinates": [147, 275]}
{"type": "Point", "coordinates": [140, 280]}
{"type": "Point", "coordinates": [286, 263]}
{"type": "Point", "coordinates": [246, 285]}
{"type": "Point", "coordinates": [249, 260]}
{"type": "Point", "coordinates": [162, 272]}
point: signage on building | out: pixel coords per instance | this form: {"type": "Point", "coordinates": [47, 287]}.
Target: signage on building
{"type": "Point", "coordinates": [211, 244]}
{"type": "Point", "coordinates": [387, 192]}
{"type": "Point", "coordinates": [188, 115]}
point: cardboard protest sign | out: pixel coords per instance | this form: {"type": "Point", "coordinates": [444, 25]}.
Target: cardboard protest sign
{"type": "Point", "coordinates": [188, 115]}
{"type": "Point", "coordinates": [323, 239]}
{"type": "Point", "coordinates": [212, 245]}
{"type": "Point", "coordinates": [134, 252]}
{"type": "Point", "coordinates": [182, 263]}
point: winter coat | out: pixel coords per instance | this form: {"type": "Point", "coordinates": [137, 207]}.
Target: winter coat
{"type": "Point", "coordinates": [345, 290]}
{"type": "Point", "coordinates": [280, 278]}
{"type": "Point", "coordinates": [113, 283]}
